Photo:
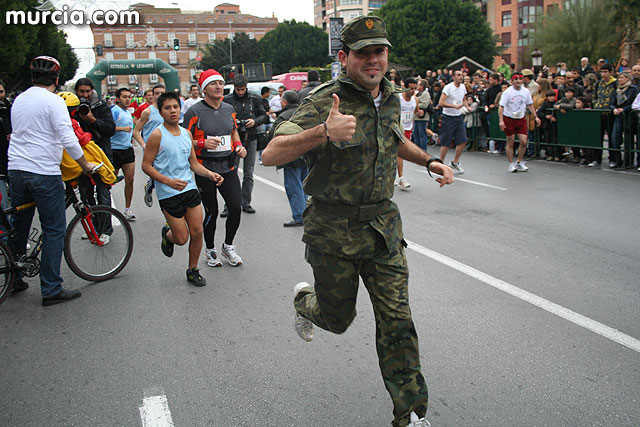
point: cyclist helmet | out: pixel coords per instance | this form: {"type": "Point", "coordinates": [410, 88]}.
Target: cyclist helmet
{"type": "Point", "coordinates": [45, 64]}
{"type": "Point", "coordinates": [70, 98]}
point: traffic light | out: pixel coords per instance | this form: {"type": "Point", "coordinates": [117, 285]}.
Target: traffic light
{"type": "Point", "coordinates": [176, 44]}
{"type": "Point", "coordinates": [99, 50]}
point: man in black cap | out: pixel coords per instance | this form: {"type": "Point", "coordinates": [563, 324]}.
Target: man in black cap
{"type": "Point", "coordinates": [349, 133]}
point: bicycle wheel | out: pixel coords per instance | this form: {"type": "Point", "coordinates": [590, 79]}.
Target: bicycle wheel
{"type": "Point", "coordinates": [7, 271]}
{"type": "Point", "coordinates": [92, 261]}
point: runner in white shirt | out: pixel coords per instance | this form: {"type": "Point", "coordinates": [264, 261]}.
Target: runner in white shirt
{"type": "Point", "coordinates": [453, 133]}
{"type": "Point", "coordinates": [194, 97]}
{"type": "Point", "coordinates": [513, 105]}
{"type": "Point", "coordinates": [408, 108]}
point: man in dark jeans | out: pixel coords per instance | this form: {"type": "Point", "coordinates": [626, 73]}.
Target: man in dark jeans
{"type": "Point", "coordinates": [98, 121]}
{"type": "Point", "coordinates": [249, 115]}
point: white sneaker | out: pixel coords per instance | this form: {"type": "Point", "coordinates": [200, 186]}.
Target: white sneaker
{"type": "Point", "coordinates": [130, 216]}
{"type": "Point", "coordinates": [229, 252]}
{"type": "Point", "coordinates": [594, 164]}
{"type": "Point", "coordinates": [403, 183]}
{"type": "Point", "coordinates": [304, 327]}
{"type": "Point", "coordinates": [456, 168]}
{"type": "Point", "coordinates": [212, 258]}
{"type": "Point", "coordinates": [395, 183]}
{"type": "Point", "coordinates": [521, 167]}
{"type": "Point", "coordinates": [105, 239]}
{"type": "Point", "coordinates": [418, 422]}
{"type": "Point", "coordinates": [512, 167]}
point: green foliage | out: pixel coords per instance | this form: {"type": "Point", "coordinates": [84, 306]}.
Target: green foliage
{"type": "Point", "coordinates": [585, 29]}
{"type": "Point", "coordinates": [19, 44]}
{"type": "Point", "coordinates": [429, 34]}
{"type": "Point", "coordinates": [627, 14]}
{"type": "Point", "coordinates": [244, 50]}
{"type": "Point", "coordinates": [293, 44]}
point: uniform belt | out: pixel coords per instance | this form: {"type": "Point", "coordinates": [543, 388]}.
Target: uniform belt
{"type": "Point", "coordinates": [364, 212]}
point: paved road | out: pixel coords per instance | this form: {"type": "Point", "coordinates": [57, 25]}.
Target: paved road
{"type": "Point", "coordinates": [558, 348]}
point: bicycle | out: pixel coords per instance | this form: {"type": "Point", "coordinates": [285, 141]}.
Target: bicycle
{"type": "Point", "coordinates": [88, 253]}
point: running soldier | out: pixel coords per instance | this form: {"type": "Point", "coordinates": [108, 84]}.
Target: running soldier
{"type": "Point", "coordinates": [350, 134]}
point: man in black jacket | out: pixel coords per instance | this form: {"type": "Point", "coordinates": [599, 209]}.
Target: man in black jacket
{"type": "Point", "coordinates": [5, 132]}
{"type": "Point", "coordinates": [296, 171]}
{"type": "Point", "coordinates": [249, 114]}
{"type": "Point", "coordinates": [313, 77]}
{"type": "Point", "coordinates": [98, 121]}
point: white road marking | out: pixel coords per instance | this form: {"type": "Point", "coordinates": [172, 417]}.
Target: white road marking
{"type": "Point", "coordinates": [266, 181]}
{"type": "Point", "coordinates": [551, 307]}
{"type": "Point", "coordinates": [457, 178]}
{"type": "Point", "coordinates": [154, 412]}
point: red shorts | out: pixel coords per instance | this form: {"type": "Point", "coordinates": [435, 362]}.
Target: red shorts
{"type": "Point", "coordinates": [408, 133]}
{"type": "Point", "coordinates": [513, 126]}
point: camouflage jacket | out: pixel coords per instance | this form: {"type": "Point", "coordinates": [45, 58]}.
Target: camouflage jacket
{"type": "Point", "coordinates": [352, 173]}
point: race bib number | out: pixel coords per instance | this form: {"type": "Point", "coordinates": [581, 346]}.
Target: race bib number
{"type": "Point", "coordinates": [223, 146]}
{"type": "Point", "coordinates": [406, 116]}
{"type": "Point", "coordinates": [518, 114]}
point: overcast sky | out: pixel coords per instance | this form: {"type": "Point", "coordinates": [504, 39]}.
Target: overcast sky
{"type": "Point", "coordinates": [81, 37]}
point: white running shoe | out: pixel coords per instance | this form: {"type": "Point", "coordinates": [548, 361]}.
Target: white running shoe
{"type": "Point", "coordinates": [212, 258]}
{"type": "Point", "coordinates": [105, 239]}
{"type": "Point", "coordinates": [456, 168]}
{"type": "Point", "coordinates": [130, 216]}
{"type": "Point", "coordinates": [229, 252]}
{"type": "Point", "coordinates": [403, 183]}
{"type": "Point", "coordinates": [418, 422]}
{"type": "Point", "coordinates": [304, 327]}
{"type": "Point", "coordinates": [512, 167]}
{"type": "Point", "coordinates": [521, 167]}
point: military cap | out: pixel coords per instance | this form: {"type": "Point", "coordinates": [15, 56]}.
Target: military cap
{"type": "Point", "coordinates": [364, 31]}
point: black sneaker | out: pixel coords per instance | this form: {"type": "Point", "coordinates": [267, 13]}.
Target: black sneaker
{"type": "Point", "coordinates": [193, 276]}
{"type": "Point", "coordinates": [248, 209]}
{"type": "Point", "coordinates": [63, 296]}
{"type": "Point", "coordinates": [225, 212]}
{"type": "Point", "coordinates": [19, 285]}
{"type": "Point", "coordinates": [166, 245]}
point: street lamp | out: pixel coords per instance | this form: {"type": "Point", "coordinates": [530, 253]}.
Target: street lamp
{"type": "Point", "coordinates": [536, 60]}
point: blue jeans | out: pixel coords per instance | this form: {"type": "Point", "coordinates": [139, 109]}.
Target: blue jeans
{"type": "Point", "coordinates": [420, 134]}
{"type": "Point", "coordinates": [616, 138]}
{"type": "Point", "coordinates": [48, 193]}
{"type": "Point", "coordinates": [293, 178]}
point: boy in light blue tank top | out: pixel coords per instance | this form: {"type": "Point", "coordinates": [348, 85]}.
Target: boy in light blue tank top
{"type": "Point", "coordinates": [149, 120]}
{"type": "Point", "coordinates": [168, 159]}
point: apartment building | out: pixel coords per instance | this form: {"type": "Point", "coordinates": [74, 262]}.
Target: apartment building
{"type": "Point", "coordinates": [153, 38]}
{"type": "Point", "coordinates": [346, 9]}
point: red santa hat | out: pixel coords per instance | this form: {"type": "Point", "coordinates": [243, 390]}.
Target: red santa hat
{"type": "Point", "coordinates": [209, 76]}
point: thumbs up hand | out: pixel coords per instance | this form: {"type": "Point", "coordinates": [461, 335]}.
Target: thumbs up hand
{"type": "Point", "coordinates": [341, 127]}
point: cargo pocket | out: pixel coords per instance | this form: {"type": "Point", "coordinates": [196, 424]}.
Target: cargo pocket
{"type": "Point", "coordinates": [348, 156]}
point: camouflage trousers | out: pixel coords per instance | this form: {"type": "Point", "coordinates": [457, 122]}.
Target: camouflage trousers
{"type": "Point", "coordinates": [330, 305]}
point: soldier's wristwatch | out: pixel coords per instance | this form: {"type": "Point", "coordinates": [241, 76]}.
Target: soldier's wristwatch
{"type": "Point", "coordinates": [431, 160]}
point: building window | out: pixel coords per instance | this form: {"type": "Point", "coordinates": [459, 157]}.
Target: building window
{"type": "Point", "coordinates": [192, 39]}
{"type": "Point", "coordinates": [506, 2]}
{"type": "Point", "coordinates": [506, 39]}
{"type": "Point", "coordinates": [523, 37]}
{"type": "Point", "coordinates": [108, 56]}
{"type": "Point", "coordinates": [350, 2]}
{"type": "Point", "coordinates": [108, 40]}
{"type": "Point", "coordinates": [192, 55]}
{"type": "Point", "coordinates": [153, 78]}
{"type": "Point", "coordinates": [506, 19]}
{"type": "Point", "coordinates": [251, 36]}
{"type": "Point", "coordinates": [212, 37]}
{"type": "Point", "coordinates": [130, 40]}
{"type": "Point", "coordinates": [173, 57]}
{"type": "Point", "coordinates": [149, 20]}
{"type": "Point", "coordinates": [527, 14]}
{"type": "Point", "coordinates": [231, 35]}
{"type": "Point", "coordinates": [131, 55]}
{"type": "Point", "coordinates": [192, 73]}
{"type": "Point", "coordinates": [111, 80]}
{"type": "Point", "coordinates": [507, 58]}
{"type": "Point", "coordinates": [132, 79]}
{"type": "Point", "coordinates": [152, 54]}
{"type": "Point", "coordinates": [170, 20]}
